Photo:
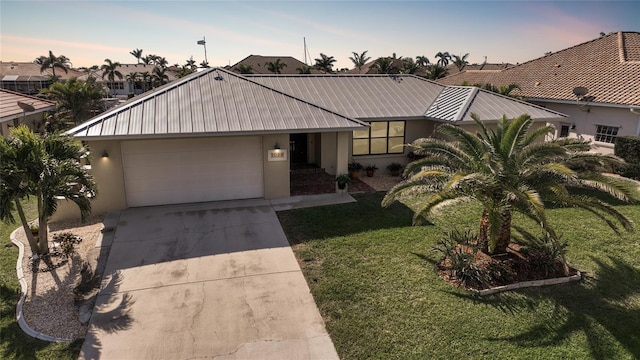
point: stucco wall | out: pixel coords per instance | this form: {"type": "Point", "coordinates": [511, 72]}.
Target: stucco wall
{"type": "Point", "coordinates": [586, 122]}
{"type": "Point", "coordinates": [328, 152]}
{"type": "Point", "coordinates": [276, 173]}
{"type": "Point", "coordinates": [108, 175]}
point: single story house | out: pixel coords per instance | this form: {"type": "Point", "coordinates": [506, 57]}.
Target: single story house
{"type": "Point", "coordinates": [16, 108]}
{"type": "Point", "coordinates": [26, 78]}
{"type": "Point", "coordinates": [596, 83]}
{"type": "Point", "coordinates": [218, 135]}
{"type": "Point", "coordinates": [258, 64]}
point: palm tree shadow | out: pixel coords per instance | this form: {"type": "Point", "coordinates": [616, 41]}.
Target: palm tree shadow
{"type": "Point", "coordinates": [600, 302]}
{"type": "Point", "coordinates": [112, 313]}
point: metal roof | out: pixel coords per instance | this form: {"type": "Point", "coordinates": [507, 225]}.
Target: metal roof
{"type": "Point", "coordinates": [9, 108]}
{"type": "Point", "coordinates": [360, 96]}
{"type": "Point", "coordinates": [212, 102]}
{"type": "Point", "coordinates": [457, 103]}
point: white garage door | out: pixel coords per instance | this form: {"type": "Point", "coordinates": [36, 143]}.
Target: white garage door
{"type": "Point", "coordinates": [158, 172]}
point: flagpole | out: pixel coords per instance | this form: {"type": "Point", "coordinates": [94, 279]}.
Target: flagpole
{"type": "Point", "coordinates": [204, 43]}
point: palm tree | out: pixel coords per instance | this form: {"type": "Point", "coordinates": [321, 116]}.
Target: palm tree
{"type": "Point", "coordinates": [510, 169]}
{"type": "Point", "coordinates": [409, 66]}
{"type": "Point", "coordinates": [184, 71]}
{"type": "Point", "coordinates": [160, 61]}
{"type": "Point", "coordinates": [52, 62]}
{"type": "Point", "coordinates": [145, 77]}
{"type": "Point", "coordinates": [243, 68]}
{"type": "Point", "coordinates": [76, 101]}
{"type": "Point", "coordinates": [110, 70]}
{"type": "Point", "coordinates": [502, 89]}
{"type": "Point", "coordinates": [133, 78]}
{"type": "Point", "coordinates": [384, 65]}
{"type": "Point", "coordinates": [137, 53]}
{"type": "Point", "coordinates": [325, 63]}
{"type": "Point", "coordinates": [423, 61]}
{"type": "Point", "coordinates": [436, 71]}
{"type": "Point", "coordinates": [159, 76]}
{"type": "Point", "coordinates": [191, 64]}
{"type": "Point", "coordinates": [443, 58]}
{"type": "Point", "coordinates": [50, 167]}
{"type": "Point", "coordinates": [359, 60]}
{"type": "Point", "coordinates": [204, 65]}
{"type": "Point", "coordinates": [460, 61]}
{"type": "Point", "coordinates": [304, 69]}
{"type": "Point", "coordinates": [148, 60]}
{"type": "Point", "coordinates": [275, 66]}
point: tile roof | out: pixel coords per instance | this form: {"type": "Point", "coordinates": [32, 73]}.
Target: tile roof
{"type": "Point", "coordinates": [12, 68]}
{"type": "Point", "coordinates": [609, 67]}
{"type": "Point", "coordinates": [9, 108]}
{"type": "Point", "coordinates": [360, 96]}
{"type": "Point", "coordinates": [212, 102]}
{"type": "Point", "coordinates": [258, 63]}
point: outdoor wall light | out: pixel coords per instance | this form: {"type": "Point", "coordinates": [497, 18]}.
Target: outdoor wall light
{"type": "Point", "coordinates": [105, 154]}
{"type": "Point", "coordinates": [276, 146]}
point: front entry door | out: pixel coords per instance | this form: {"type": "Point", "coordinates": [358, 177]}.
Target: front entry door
{"type": "Point", "coordinates": [298, 148]}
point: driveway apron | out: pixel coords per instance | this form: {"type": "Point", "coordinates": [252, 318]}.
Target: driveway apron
{"type": "Point", "coordinates": [204, 281]}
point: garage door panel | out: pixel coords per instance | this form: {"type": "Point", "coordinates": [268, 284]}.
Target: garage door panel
{"type": "Point", "coordinates": [192, 170]}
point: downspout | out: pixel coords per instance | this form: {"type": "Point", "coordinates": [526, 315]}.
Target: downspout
{"type": "Point", "coordinates": [637, 112]}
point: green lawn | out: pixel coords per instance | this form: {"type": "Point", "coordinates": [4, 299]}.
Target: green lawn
{"type": "Point", "coordinates": [372, 275]}
{"type": "Point", "coordinates": [14, 343]}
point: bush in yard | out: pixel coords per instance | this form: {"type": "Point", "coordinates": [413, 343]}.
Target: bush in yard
{"type": "Point", "coordinates": [628, 148]}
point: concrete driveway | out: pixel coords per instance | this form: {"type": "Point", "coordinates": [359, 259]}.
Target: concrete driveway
{"type": "Point", "coordinates": [204, 281]}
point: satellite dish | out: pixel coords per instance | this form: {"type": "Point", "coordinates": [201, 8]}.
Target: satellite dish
{"type": "Point", "coordinates": [580, 91]}
{"type": "Point", "coordinates": [26, 107]}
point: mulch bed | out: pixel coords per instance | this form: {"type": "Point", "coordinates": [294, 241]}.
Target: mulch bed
{"type": "Point", "coordinates": [322, 183]}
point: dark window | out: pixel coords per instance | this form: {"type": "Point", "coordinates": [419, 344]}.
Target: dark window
{"type": "Point", "coordinates": [564, 130]}
{"type": "Point", "coordinates": [606, 134]}
{"type": "Point", "coordinates": [383, 137]}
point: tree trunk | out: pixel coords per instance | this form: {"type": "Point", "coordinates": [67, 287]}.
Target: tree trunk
{"type": "Point", "coordinates": [504, 237]}
{"type": "Point", "coordinates": [43, 238]}
{"type": "Point", "coordinates": [483, 235]}
{"type": "Point", "coordinates": [33, 244]}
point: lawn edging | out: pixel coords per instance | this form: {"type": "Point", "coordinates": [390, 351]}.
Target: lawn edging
{"type": "Point", "coordinates": [23, 294]}
{"type": "Point", "coordinates": [527, 284]}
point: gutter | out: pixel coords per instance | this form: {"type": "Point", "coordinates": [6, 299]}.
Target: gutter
{"type": "Point", "coordinates": [590, 103]}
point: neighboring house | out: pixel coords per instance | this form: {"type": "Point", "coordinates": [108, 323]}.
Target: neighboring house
{"type": "Point", "coordinates": [258, 64]}
{"type": "Point", "coordinates": [26, 78]}
{"type": "Point", "coordinates": [217, 135]}
{"type": "Point", "coordinates": [16, 108]}
{"type": "Point", "coordinates": [596, 83]}
{"type": "Point", "coordinates": [121, 88]}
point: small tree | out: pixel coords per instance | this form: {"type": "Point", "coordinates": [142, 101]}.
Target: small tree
{"type": "Point", "coordinates": [325, 63]}
{"type": "Point", "coordinates": [49, 168]}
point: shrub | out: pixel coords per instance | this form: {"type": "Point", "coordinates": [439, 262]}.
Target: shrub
{"type": "Point", "coordinates": [459, 259]}
{"type": "Point", "coordinates": [67, 242]}
{"type": "Point", "coordinates": [628, 148]}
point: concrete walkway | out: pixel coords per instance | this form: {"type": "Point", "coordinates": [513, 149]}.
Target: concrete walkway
{"type": "Point", "coordinates": [211, 280]}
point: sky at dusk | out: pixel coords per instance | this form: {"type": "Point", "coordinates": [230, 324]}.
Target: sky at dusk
{"type": "Point", "coordinates": [87, 32]}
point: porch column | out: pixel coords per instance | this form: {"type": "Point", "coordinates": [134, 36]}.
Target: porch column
{"type": "Point", "coordinates": [342, 152]}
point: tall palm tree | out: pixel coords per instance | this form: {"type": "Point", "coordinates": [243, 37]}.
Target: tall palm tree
{"type": "Point", "coordinates": [133, 78]}
{"type": "Point", "coordinates": [110, 70]}
{"type": "Point", "coordinates": [243, 68]}
{"type": "Point", "coordinates": [161, 61]}
{"type": "Point", "coordinates": [423, 61]}
{"type": "Point", "coordinates": [204, 65]}
{"type": "Point", "coordinates": [52, 62]}
{"type": "Point", "coordinates": [76, 101]}
{"type": "Point", "coordinates": [145, 77]}
{"type": "Point", "coordinates": [304, 69]}
{"type": "Point", "coordinates": [460, 61]}
{"type": "Point", "coordinates": [159, 76]}
{"type": "Point", "coordinates": [137, 53]}
{"type": "Point", "coordinates": [359, 60]}
{"type": "Point", "coordinates": [510, 169]}
{"type": "Point", "coordinates": [275, 66]}
{"type": "Point", "coordinates": [148, 60]}
{"type": "Point", "coordinates": [51, 167]}
{"type": "Point", "coordinates": [191, 64]}
{"type": "Point", "coordinates": [443, 58]}
{"type": "Point", "coordinates": [325, 63]}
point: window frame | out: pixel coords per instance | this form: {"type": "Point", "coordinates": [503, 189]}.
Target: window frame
{"type": "Point", "coordinates": [562, 127]}
{"type": "Point", "coordinates": [604, 135]}
{"type": "Point", "coordinates": [387, 137]}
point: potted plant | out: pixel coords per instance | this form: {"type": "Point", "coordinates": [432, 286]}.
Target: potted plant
{"type": "Point", "coordinates": [343, 180]}
{"type": "Point", "coordinates": [354, 169]}
{"type": "Point", "coordinates": [35, 230]}
{"type": "Point", "coordinates": [371, 169]}
{"type": "Point", "coordinates": [395, 168]}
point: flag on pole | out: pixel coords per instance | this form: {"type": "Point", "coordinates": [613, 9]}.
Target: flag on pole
{"type": "Point", "coordinates": [201, 42]}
